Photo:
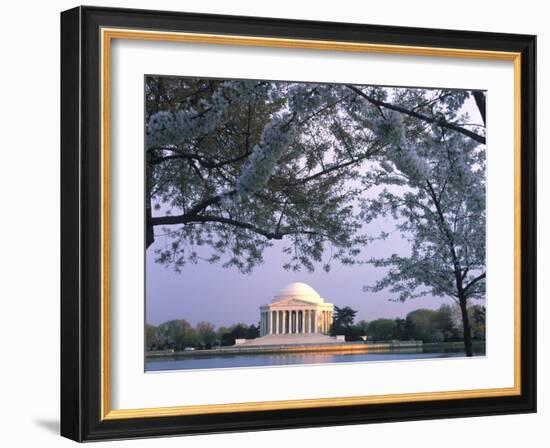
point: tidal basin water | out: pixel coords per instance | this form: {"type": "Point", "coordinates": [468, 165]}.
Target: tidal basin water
{"type": "Point", "coordinates": [282, 359]}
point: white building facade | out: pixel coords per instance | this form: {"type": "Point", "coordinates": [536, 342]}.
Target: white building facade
{"type": "Point", "coordinates": [296, 309]}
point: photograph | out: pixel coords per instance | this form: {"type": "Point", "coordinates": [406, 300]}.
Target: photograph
{"type": "Point", "coordinates": [297, 223]}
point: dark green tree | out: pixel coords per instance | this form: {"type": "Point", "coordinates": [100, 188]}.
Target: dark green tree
{"type": "Point", "coordinates": [342, 323]}
{"type": "Point", "coordinates": [207, 334]}
{"type": "Point", "coordinates": [239, 331]}
{"type": "Point", "coordinates": [381, 329]}
{"type": "Point", "coordinates": [344, 317]}
{"type": "Point", "coordinates": [177, 334]}
{"type": "Point", "coordinates": [433, 325]}
{"type": "Point", "coordinates": [401, 331]}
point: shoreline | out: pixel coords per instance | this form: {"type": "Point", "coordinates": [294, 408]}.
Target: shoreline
{"type": "Point", "coordinates": [344, 347]}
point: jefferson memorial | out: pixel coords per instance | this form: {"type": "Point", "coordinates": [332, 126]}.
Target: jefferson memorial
{"type": "Point", "coordinates": [296, 315]}
{"type": "Point", "coordinates": [296, 309]}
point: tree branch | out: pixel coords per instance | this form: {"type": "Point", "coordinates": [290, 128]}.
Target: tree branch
{"type": "Point", "coordinates": [206, 163]}
{"type": "Point", "coordinates": [474, 281]}
{"type": "Point", "coordinates": [304, 180]}
{"type": "Point", "coordinates": [201, 206]}
{"type": "Point", "coordinates": [426, 118]}
{"type": "Point", "coordinates": [479, 97]}
{"type": "Point", "coordinates": [187, 219]}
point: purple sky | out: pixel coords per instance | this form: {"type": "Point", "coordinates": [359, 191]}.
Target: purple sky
{"type": "Point", "coordinates": [225, 296]}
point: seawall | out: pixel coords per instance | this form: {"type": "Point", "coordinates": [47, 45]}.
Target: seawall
{"type": "Point", "coordinates": [344, 347]}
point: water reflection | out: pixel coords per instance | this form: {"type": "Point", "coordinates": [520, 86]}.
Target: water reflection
{"type": "Point", "coordinates": [279, 359]}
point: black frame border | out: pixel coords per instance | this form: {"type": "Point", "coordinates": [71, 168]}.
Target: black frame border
{"type": "Point", "coordinates": [81, 224]}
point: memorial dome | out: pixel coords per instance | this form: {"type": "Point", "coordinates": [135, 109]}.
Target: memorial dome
{"type": "Point", "coordinates": [299, 291]}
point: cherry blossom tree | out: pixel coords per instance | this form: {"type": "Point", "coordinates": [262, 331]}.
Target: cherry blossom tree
{"type": "Point", "coordinates": [235, 165]}
{"type": "Point", "coordinates": [438, 207]}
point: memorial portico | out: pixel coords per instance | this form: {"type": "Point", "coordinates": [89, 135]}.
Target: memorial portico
{"type": "Point", "coordinates": [296, 309]}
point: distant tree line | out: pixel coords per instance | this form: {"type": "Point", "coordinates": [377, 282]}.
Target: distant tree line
{"type": "Point", "coordinates": [441, 325]}
{"type": "Point", "coordinates": [178, 334]}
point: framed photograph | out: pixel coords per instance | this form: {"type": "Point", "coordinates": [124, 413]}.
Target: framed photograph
{"type": "Point", "coordinates": [273, 223]}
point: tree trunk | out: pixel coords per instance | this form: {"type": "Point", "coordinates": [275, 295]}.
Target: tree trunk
{"type": "Point", "coordinates": [466, 327]}
{"type": "Point", "coordinates": [149, 228]}
{"type": "Point", "coordinates": [149, 231]}
{"type": "Point", "coordinates": [479, 97]}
